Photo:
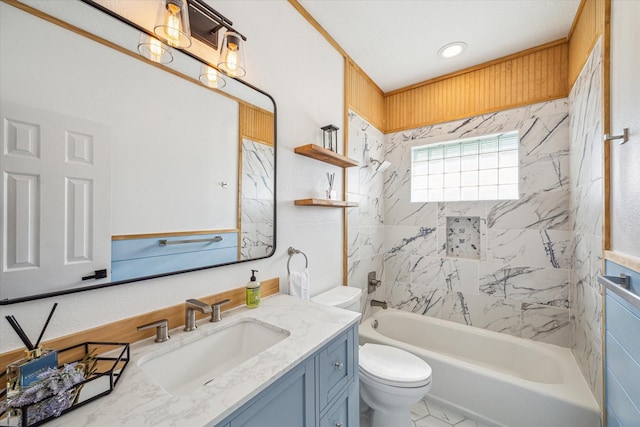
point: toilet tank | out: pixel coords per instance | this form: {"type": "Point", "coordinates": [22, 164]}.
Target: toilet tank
{"type": "Point", "coordinates": [347, 297]}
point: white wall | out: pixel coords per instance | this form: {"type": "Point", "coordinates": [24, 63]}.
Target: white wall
{"type": "Point", "coordinates": [287, 58]}
{"type": "Point", "coordinates": [625, 113]}
{"type": "Point", "coordinates": [144, 126]}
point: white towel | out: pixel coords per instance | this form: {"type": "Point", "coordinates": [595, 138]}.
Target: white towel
{"type": "Point", "coordinates": [299, 284]}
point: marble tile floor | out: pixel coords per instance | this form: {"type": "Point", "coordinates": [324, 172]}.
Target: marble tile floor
{"type": "Point", "coordinates": [427, 413]}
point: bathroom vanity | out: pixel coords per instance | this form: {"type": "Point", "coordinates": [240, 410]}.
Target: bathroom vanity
{"type": "Point", "coordinates": [307, 375]}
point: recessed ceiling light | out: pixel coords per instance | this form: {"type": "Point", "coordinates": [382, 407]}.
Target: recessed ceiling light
{"type": "Point", "coordinates": [452, 49]}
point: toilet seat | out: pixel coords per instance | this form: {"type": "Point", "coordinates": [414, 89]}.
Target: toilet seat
{"type": "Point", "coordinates": [393, 367]}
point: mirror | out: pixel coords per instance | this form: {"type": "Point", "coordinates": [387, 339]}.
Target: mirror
{"type": "Point", "coordinates": [116, 169]}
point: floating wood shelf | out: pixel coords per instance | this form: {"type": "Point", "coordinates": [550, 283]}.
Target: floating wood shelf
{"type": "Point", "coordinates": [326, 203]}
{"type": "Point", "coordinates": [327, 156]}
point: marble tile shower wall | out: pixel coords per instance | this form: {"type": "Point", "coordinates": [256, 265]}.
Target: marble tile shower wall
{"type": "Point", "coordinates": [518, 283]}
{"type": "Point", "coordinates": [365, 223]}
{"type": "Point", "coordinates": [586, 159]}
{"type": "Point", "coordinates": [258, 176]}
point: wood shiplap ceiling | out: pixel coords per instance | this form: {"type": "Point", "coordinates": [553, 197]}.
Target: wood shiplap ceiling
{"type": "Point", "coordinates": [396, 41]}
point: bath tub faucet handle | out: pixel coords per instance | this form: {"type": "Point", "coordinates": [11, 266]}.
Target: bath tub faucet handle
{"type": "Point", "coordinates": [372, 282]}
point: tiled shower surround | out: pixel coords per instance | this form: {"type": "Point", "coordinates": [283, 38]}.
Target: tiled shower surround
{"type": "Point", "coordinates": [257, 199]}
{"type": "Point", "coordinates": [586, 157]}
{"type": "Point", "coordinates": [366, 225]}
{"type": "Point", "coordinates": [525, 278]}
{"type": "Point", "coordinates": [517, 282]}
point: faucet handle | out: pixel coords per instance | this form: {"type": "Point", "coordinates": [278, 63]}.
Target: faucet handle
{"type": "Point", "coordinates": [215, 307]}
{"type": "Point", "coordinates": [162, 329]}
{"type": "Point", "coordinates": [372, 282]}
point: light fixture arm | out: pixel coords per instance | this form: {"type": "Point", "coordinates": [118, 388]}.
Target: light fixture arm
{"type": "Point", "coordinates": [213, 15]}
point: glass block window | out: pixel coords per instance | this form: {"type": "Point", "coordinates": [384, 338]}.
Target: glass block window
{"type": "Point", "coordinates": [483, 168]}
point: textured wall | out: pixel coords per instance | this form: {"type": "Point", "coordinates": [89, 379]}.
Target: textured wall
{"type": "Point", "coordinates": [519, 282]}
{"type": "Point", "coordinates": [586, 207]}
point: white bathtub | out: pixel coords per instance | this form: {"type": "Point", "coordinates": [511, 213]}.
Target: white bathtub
{"type": "Point", "coordinates": [492, 377]}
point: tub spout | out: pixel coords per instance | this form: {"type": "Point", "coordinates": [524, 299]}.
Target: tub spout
{"type": "Point", "coordinates": [376, 303]}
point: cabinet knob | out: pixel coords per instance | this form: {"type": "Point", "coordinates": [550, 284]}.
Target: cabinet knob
{"type": "Point", "coordinates": [338, 424]}
{"type": "Point", "coordinates": [338, 365]}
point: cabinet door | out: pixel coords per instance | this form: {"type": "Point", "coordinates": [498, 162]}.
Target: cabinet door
{"type": "Point", "coordinates": [346, 411]}
{"type": "Point", "coordinates": [290, 402]}
{"type": "Point", "coordinates": [337, 364]}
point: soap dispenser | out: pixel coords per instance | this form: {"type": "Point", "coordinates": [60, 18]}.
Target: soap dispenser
{"type": "Point", "coordinates": [253, 291]}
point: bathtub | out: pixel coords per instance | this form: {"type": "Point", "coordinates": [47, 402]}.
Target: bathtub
{"type": "Point", "coordinates": [494, 378]}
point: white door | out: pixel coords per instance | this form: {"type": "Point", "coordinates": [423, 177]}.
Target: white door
{"type": "Point", "coordinates": [625, 113]}
{"type": "Point", "coordinates": [56, 201]}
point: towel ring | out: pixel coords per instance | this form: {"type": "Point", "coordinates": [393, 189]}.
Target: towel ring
{"type": "Point", "coordinates": [291, 251]}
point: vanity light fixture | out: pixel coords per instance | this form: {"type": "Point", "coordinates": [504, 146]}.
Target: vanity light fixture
{"type": "Point", "coordinates": [209, 77]}
{"type": "Point", "coordinates": [451, 49]}
{"type": "Point", "coordinates": [180, 20]}
{"type": "Point", "coordinates": [172, 25]}
{"type": "Point", "coordinates": [154, 50]}
{"type": "Point", "coordinates": [206, 23]}
{"type": "Point", "coordinates": [231, 60]}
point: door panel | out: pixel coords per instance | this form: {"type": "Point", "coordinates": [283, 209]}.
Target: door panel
{"type": "Point", "coordinates": [56, 192]}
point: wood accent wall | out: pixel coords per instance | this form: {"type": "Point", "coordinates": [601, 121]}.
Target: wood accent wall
{"type": "Point", "coordinates": [256, 124]}
{"type": "Point", "coordinates": [531, 76]}
{"type": "Point", "coordinates": [125, 330]}
{"type": "Point", "coordinates": [588, 25]}
{"type": "Point", "coordinates": [363, 96]}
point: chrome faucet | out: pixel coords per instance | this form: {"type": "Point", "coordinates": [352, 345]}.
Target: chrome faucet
{"type": "Point", "coordinates": [193, 305]}
{"type": "Point", "coordinates": [376, 303]}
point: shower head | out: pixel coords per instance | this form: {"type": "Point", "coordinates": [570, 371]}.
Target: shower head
{"type": "Point", "coordinates": [383, 166]}
{"type": "Point", "coordinates": [380, 166]}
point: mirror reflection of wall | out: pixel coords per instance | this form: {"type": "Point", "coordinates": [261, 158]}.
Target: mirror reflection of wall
{"type": "Point", "coordinates": [180, 155]}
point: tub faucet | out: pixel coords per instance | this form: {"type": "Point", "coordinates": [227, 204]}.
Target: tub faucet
{"type": "Point", "coordinates": [191, 306]}
{"type": "Point", "coordinates": [376, 303]}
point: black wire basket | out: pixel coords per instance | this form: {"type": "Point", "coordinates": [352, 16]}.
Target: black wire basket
{"type": "Point", "coordinates": [103, 364]}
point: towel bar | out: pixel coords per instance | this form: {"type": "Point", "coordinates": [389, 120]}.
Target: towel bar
{"type": "Point", "coordinates": [291, 251]}
{"type": "Point", "coordinates": [165, 242]}
{"type": "Point", "coordinates": [621, 286]}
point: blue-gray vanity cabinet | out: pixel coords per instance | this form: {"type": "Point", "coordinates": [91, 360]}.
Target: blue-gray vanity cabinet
{"type": "Point", "coordinates": [336, 367]}
{"type": "Point", "coordinates": [345, 411]}
{"type": "Point", "coordinates": [288, 402]}
{"type": "Point", "coordinates": [320, 391]}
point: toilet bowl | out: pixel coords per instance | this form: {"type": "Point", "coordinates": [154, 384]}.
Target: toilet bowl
{"type": "Point", "coordinates": [391, 379]}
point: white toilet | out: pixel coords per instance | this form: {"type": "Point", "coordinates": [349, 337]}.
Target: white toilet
{"type": "Point", "coordinates": [391, 379]}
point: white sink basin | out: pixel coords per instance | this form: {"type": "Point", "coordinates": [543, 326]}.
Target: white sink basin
{"type": "Point", "coordinates": [184, 367]}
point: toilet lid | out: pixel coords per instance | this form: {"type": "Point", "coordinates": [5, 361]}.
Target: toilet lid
{"type": "Point", "coordinates": [340, 296]}
{"type": "Point", "coordinates": [393, 366]}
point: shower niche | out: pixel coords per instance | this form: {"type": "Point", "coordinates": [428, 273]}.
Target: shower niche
{"type": "Point", "coordinates": [463, 237]}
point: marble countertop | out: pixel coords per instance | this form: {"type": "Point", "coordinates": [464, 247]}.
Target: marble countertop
{"type": "Point", "coordinates": [138, 401]}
